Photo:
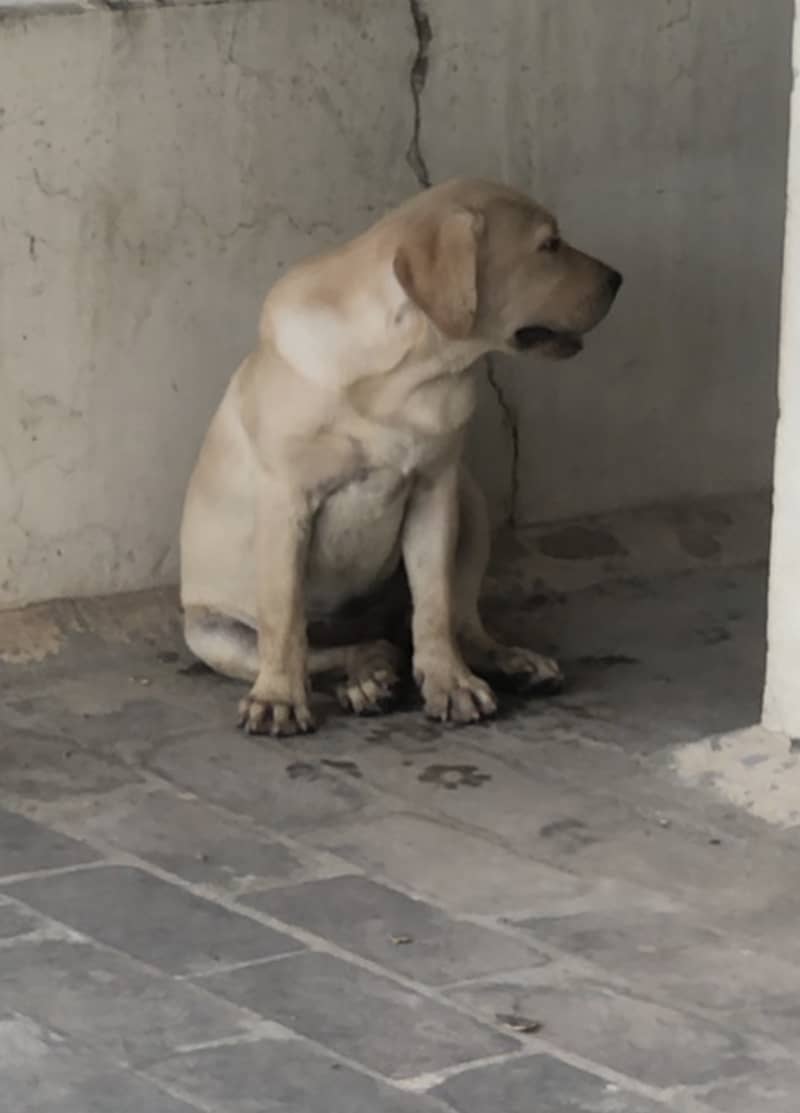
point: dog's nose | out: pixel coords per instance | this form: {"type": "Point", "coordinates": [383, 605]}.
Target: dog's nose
{"type": "Point", "coordinates": [614, 281]}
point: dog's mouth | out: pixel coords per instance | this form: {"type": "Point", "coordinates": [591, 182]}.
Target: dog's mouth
{"type": "Point", "coordinates": [560, 344]}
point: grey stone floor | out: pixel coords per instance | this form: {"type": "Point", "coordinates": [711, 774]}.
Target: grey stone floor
{"type": "Point", "coordinates": [532, 916]}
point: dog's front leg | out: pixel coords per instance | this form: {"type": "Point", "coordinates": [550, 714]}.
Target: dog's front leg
{"type": "Point", "coordinates": [452, 693]}
{"type": "Point", "coordinates": [278, 701]}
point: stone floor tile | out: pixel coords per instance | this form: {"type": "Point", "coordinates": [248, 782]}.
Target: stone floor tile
{"type": "Point", "coordinates": [722, 975]}
{"type": "Point", "coordinates": [109, 1002]}
{"type": "Point", "coordinates": [268, 780]}
{"type": "Point", "coordinates": [775, 1090]}
{"type": "Point", "coordinates": [680, 862]}
{"type": "Point", "coordinates": [399, 848]}
{"type": "Point", "coordinates": [198, 843]}
{"type": "Point", "coordinates": [563, 815]}
{"type": "Point", "coordinates": [104, 707]}
{"type": "Point", "coordinates": [16, 920]}
{"type": "Point", "coordinates": [658, 1045]}
{"type": "Point", "coordinates": [42, 1072]}
{"type": "Point", "coordinates": [408, 936]}
{"type": "Point", "coordinates": [152, 920]}
{"type": "Point", "coordinates": [622, 937]}
{"type": "Point", "coordinates": [671, 958]}
{"type": "Point", "coordinates": [541, 1084]}
{"type": "Point", "coordinates": [287, 1076]}
{"type": "Point", "coordinates": [47, 768]}
{"type": "Point", "coordinates": [536, 816]}
{"type": "Point", "coordinates": [26, 846]}
{"type": "Point", "coordinates": [365, 1017]}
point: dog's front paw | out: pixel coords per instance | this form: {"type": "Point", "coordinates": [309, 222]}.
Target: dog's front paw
{"type": "Point", "coordinates": [525, 672]}
{"type": "Point", "coordinates": [275, 717]}
{"type": "Point", "coordinates": [455, 695]}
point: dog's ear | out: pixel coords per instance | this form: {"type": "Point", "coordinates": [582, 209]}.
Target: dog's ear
{"type": "Point", "coordinates": [437, 266]}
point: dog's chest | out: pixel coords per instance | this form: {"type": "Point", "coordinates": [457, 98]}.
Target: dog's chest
{"type": "Point", "coordinates": [410, 435]}
{"type": "Point", "coordinates": [357, 538]}
{"type": "Point", "coordinates": [395, 451]}
{"type": "Point", "coordinates": [358, 531]}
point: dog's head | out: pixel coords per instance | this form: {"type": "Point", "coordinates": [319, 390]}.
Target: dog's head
{"type": "Point", "coordinates": [486, 263]}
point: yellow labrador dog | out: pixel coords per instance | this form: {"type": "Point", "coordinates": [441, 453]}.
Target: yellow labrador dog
{"type": "Point", "coordinates": [334, 462]}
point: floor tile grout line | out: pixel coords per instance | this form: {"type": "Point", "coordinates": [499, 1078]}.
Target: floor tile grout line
{"type": "Point", "coordinates": [309, 940]}
{"type": "Point", "coordinates": [152, 783]}
{"type": "Point", "coordinates": [248, 964]}
{"type": "Point", "coordinates": [73, 937]}
{"type": "Point", "coordinates": [423, 1083]}
{"type": "Point", "coordinates": [538, 1046]}
{"type": "Point", "coordinates": [247, 823]}
{"type": "Point", "coordinates": [400, 806]}
{"type": "Point", "coordinates": [295, 842]}
{"type": "Point", "coordinates": [594, 974]}
{"type": "Point", "coordinates": [577, 968]}
{"type": "Point", "coordinates": [265, 1032]}
{"type": "Point", "coordinates": [54, 871]}
{"type": "Point", "coordinates": [86, 1046]}
{"type": "Point", "coordinates": [110, 853]}
{"type": "Point", "coordinates": [377, 792]}
{"type": "Point", "coordinates": [319, 944]}
{"type": "Point", "coordinates": [442, 819]}
{"type": "Point", "coordinates": [327, 1052]}
{"type": "Point", "coordinates": [404, 807]}
{"type": "Point", "coordinates": [529, 1046]}
{"type": "Point", "coordinates": [181, 1094]}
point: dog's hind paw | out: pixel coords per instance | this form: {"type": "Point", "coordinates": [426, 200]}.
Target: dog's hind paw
{"type": "Point", "coordinates": [372, 679]}
{"type": "Point", "coordinates": [514, 669]}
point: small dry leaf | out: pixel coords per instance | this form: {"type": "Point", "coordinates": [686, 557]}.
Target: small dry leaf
{"type": "Point", "coordinates": [519, 1023]}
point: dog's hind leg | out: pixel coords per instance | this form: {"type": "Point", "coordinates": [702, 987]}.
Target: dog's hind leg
{"type": "Point", "coordinates": [370, 671]}
{"type": "Point", "coordinates": [223, 643]}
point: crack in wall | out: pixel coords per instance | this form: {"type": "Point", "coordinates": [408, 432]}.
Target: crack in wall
{"type": "Point", "coordinates": [415, 158]}
{"type": "Point", "coordinates": [684, 16]}
{"type": "Point", "coordinates": [417, 78]}
{"type": "Point", "coordinates": [510, 423]}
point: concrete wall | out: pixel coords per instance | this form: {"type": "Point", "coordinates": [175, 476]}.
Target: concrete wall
{"type": "Point", "coordinates": [161, 165]}
{"type": "Point", "coordinates": [657, 130]}
{"type": "Point", "coordinates": [782, 697]}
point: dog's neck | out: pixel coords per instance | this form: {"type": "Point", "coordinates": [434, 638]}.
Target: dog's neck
{"type": "Point", "coordinates": [432, 386]}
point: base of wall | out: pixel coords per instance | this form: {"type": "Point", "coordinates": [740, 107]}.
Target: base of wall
{"type": "Point", "coordinates": [665, 666]}
{"type": "Point", "coordinates": [658, 617]}
{"type": "Point", "coordinates": [665, 540]}
{"type": "Point", "coordinates": [534, 562]}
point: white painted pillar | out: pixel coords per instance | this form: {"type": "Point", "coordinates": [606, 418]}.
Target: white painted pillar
{"type": "Point", "coordinates": [782, 695]}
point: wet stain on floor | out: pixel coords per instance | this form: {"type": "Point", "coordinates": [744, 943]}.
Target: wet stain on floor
{"type": "Point", "coordinates": [580, 543]}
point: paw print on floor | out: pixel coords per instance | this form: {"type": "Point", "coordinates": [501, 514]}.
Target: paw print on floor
{"type": "Point", "coordinates": [454, 776]}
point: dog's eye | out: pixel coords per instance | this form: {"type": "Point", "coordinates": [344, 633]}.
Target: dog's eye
{"type": "Point", "coordinates": [551, 245]}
